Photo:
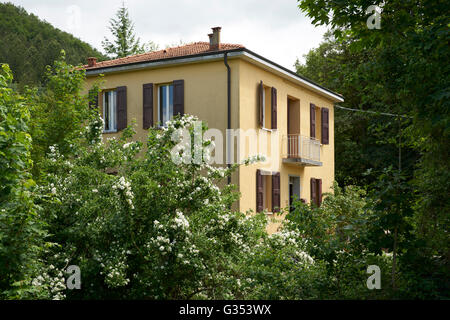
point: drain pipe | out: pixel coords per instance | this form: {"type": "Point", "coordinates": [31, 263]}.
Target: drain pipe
{"type": "Point", "coordinates": [225, 61]}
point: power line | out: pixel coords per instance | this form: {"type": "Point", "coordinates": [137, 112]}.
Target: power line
{"type": "Point", "coordinates": [389, 115]}
{"type": "Point", "coordinates": [373, 112]}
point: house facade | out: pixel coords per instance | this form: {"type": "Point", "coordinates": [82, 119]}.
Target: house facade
{"type": "Point", "coordinates": [260, 106]}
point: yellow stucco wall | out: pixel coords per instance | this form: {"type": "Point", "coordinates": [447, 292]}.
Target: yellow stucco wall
{"type": "Point", "coordinates": [205, 94]}
{"type": "Point", "coordinates": [249, 78]}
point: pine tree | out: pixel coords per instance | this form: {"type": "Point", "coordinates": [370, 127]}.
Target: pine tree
{"type": "Point", "coordinates": [125, 42]}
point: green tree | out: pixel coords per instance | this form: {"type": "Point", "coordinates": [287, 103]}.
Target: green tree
{"type": "Point", "coordinates": [405, 74]}
{"type": "Point", "coordinates": [124, 41]}
{"type": "Point", "coordinates": [22, 232]}
{"type": "Point", "coordinates": [29, 44]}
{"type": "Point", "coordinates": [58, 111]}
{"type": "Point", "coordinates": [339, 233]}
{"type": "Point", "coordinates": [363, 141]}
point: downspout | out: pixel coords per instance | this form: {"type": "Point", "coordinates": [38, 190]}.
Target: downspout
{"type": "Point", "coordinates": [225, 61]}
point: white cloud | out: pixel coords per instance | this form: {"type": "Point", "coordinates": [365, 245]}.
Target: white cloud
{"type": "Point", "coordinates": [277, 30]}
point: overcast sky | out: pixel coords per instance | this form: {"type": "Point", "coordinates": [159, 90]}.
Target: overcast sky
{"type": "Point", "coordinates": [275, 29]}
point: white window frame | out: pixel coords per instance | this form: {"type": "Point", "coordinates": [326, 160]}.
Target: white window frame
{"type": "Point", "coordinates": [112, 106]}
{"type": "Point", "coordinates": [167, 93]}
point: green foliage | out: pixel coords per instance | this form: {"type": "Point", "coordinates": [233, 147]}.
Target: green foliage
{"type": "Point", "coordinates": [124, 41]}
{"type": "Point", "coordinates": [396, 69]}
{"type": "Point", "coordinates": [364, 141]}
{"type": "Point", "coordinates": [22, 230]}
{"type": "Point", "coordinates": [28, 45]}
{"type": "Point", "coordinates": [279, 267]}
{"type": "Point", "coordinates": [59, 111]}
{"type": "Point", "coordinates": [338, 233]}
{"type": "Point", "coordinates": [153, 229]}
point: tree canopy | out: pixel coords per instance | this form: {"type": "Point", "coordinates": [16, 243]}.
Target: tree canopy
{"type": "Point", "coordinates": [124, 42]}
{"type": "Point", "coordinates": [403, 160]}
{"type": "Point", "coordinates": [29, 44]}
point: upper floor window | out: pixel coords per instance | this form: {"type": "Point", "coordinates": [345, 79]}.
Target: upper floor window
{"type": "Point", "coordinates": [267, 107]}
{"type": "Point", "coordinates": [110, 110]}
{"type": "Point", "coordinates": [319, 123]}
{"type": "Point", "coordinates": [165, 98]}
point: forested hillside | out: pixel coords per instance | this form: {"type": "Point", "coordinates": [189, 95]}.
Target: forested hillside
{"type": "Point", "coordinates": [29, 44]}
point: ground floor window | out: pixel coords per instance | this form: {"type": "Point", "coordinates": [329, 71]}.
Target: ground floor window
{"type": "Point", "coordinates": [316, 191]}
{"type": "Point", "coordinates": [294, 191]}
{"type": "Point", "coordinates": [267, 191]}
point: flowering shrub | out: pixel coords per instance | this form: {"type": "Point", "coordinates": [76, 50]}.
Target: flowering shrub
{"type": "Point", "coordinates": [280, 268]}
{"type": "Point", "coordinates": [144, 226]}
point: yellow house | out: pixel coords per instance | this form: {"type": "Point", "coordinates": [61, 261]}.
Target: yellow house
{"type": "Point", "coordinates": [280, 114]}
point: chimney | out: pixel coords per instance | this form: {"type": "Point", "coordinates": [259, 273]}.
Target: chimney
{"type": "Point", "coordinates": [214, 39]}
{"type": "Point", "coordinates": [92, 61]}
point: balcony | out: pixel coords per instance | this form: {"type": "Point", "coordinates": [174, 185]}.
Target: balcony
{"type": "Point", "coordinates": [301, 150]}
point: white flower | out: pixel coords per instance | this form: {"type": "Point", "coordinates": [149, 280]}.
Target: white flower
{"type": "Point", "coordinates": [181, 221]}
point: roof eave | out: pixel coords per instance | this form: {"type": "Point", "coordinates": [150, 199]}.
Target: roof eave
{"type": "Point", "coordinates": [217, 55]}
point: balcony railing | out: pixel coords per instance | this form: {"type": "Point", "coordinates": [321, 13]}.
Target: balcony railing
{"type": "Point", "coordinates": [301, 149]}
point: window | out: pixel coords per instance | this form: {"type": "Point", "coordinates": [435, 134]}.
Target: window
{"type": "Point", "coordinates": [165, 101]}
{"type": "Point", "coordinates": [319, 123]}
{"type": "Point", "coordinates": [294, 191]}
{"type": "Point", "coordinates": [267, 191]}
{"type": "Point", "coordinates": [316, 191]}
{"type": "Point", "coordinates": [267, 196]}
{"type": "Point", "coordinates": [267, 107]}
{"type": "Point", "coordinates": [110, 110]}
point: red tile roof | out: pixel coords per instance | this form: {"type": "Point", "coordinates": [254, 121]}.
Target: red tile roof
{"type": "Point", "coordinates": [185, 50]}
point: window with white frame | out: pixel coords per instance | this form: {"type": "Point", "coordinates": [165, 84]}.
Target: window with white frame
{"type": "Point", "coordinates": [165, 102]}
{"type": "Point", "coordinates": [110, 111]}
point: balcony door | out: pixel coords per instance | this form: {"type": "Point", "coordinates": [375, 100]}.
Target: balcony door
{"type": "Point", "coordinates": [293, 122]}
